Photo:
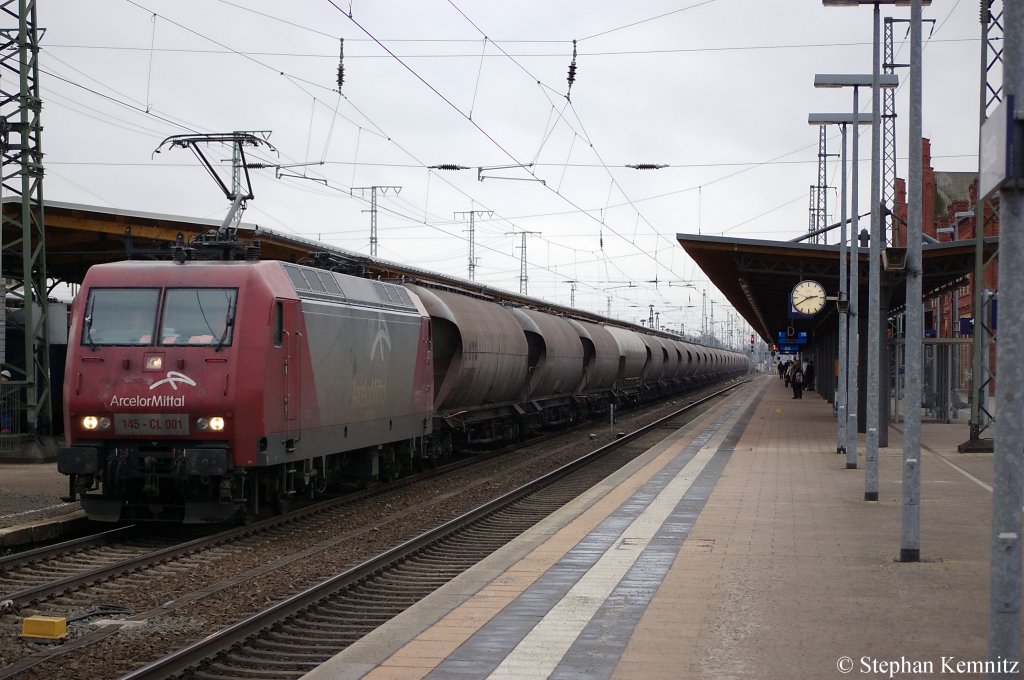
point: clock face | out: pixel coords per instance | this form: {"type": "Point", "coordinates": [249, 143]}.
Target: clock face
{"type": "Point", "coordinates": [808, 297]}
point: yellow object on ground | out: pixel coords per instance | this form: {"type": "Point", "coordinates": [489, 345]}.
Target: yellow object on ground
{"type": "Point", "coordinates": [46, 627]}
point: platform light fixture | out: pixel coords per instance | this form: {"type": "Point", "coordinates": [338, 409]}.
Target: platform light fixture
{"type": "Point", "coordinates": [836, 80]}
{"type": "Point", "coordinates": [842, 299]}
{"type": "Point", "coordinates": [838, 119]}
{"type": "Point", "coordinates": [874, 431]}
{"type": "Point", "coordinates": [857, 81]}
{"type": "Point", "coordinates": [855, 3]}
{"type": "Point", "coordinates": [910, 530]}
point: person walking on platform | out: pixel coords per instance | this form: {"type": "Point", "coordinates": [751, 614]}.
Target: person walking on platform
{"type": "Point", "coordinates": [796, 379]}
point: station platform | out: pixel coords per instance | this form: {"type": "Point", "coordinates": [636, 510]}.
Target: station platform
{"type": "Point", "coordinates": [31, 509]}
{"type": "Point", "coordinates": [739, 547]}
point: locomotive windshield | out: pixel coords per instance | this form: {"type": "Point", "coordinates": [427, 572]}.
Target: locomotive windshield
{"type": "Point", "coordinates": [128, 316]}
{"type": "Point", "coordinates": [120, 316]}
{"type": "Point", "coordinates": [198, 316]}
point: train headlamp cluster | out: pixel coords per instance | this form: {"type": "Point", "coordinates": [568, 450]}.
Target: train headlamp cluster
{"type": "Point", "coordinates": [103, 423]}
{"type": "Point", "coordinates": [212, 424]}
{"type": "Point", "coordinates": [95, 423]}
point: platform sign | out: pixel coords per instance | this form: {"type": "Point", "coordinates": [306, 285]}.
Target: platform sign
{"type": "Point", "coordinates": [799, 338]}
{"type": "Point", "coordinates": [996, 159]}
{"type": "Point", "coordinates": [967, 322]}
{"type": "Point", "coordinates": [789, 349]}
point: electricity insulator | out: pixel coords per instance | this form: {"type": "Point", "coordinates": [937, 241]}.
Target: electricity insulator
{"type": "Point", "coordinates": [341, 64]}
{"type": "Point", "coordinates": [572, 70]}
{"type": "Point", "coordinates": [448, 166]}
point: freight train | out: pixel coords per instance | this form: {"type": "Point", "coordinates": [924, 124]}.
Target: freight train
{"type": "Point", "coordinates": [202, 391]}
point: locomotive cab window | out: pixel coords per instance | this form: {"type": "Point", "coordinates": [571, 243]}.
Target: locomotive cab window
{"type": "Point", "coordinates": [278, 323]}
{"type": "Point", "coordinates": [120, 316]}
{"type": "Point", "coordinates": [198, 316]}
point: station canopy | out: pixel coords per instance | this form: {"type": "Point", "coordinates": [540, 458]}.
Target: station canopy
{"type": "Point", "coordinates": [756, 276]}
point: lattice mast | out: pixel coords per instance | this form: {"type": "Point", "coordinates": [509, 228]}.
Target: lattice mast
{"type": "Point", "coordinates": [472, 236]}
{"type": "Point", "coordinates": [21, 168]}
{"type": "Point", "coordinates": [821, 206]}
{"type": "Point", "coordinates": [523, 278]}
{"type": "Point", "coordinates": [889, 134]}
{"type": "Point", "coordinates": [991, 95]}
{"type": "Point", "coordinates": [373, 210]}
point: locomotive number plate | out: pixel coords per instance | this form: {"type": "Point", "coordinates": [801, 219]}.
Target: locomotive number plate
{"type": "Point", "coordinates": [150, 423]}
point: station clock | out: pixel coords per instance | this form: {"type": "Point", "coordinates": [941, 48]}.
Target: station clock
{"type": "Point", "coordinates": [808, 297]}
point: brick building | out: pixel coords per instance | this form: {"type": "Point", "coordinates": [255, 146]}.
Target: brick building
{"type": "Point", "coordinates": [949, 200]}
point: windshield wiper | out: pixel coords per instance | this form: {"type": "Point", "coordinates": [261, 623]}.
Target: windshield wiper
{"type": "Point", "coordinates": [229, 322]}
{"type": "Point", "coordinates": [88, 324]}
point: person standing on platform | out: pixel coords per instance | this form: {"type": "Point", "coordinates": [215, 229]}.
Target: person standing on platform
{"type": "Point", "coordinates": [796, 379]}
{"type": "Point", "coordinates": [809, 376]}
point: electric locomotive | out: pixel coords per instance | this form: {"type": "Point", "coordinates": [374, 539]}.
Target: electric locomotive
{"type": "Point", "coordinates": [195, 390]}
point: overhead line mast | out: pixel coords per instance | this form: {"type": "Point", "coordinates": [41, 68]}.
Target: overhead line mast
{"type": "Point", "coordinates": [523, 278]}
{"type": "Point", "coordinates": [472, 236]}
{"type": "Point", "coordinates": [373, 210]}
{"type": "Point", "coordinates": [21, 158]}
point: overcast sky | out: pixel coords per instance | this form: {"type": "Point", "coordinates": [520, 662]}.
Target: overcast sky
{"type": "Point", "coordinates": [718, 90]}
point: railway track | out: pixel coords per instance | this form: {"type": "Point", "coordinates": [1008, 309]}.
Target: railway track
{"type": "Point", "coordinates": [259, 554]}
{"type": "Point", "coordinates": [292, 637]}
{"type": "Point", "coordinates": [30, 576]}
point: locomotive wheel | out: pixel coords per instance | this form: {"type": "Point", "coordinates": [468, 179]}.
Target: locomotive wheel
{"type": "Point", "coordinates": [280, 499]}
{"type": "Point", "coordinates": [247, 510]}
{"type": "Point", "coordinates": [281, 504]}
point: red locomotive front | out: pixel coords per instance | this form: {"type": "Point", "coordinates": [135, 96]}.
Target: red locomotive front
{"type": "Point", "coordinates": [156, 367]}
{"type": "Point", "coordinates": [200, 390]}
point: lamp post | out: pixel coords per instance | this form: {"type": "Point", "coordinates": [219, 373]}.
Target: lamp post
{"type": "Point", "coordinates": [874, 271]}
{"type": "Point", "coordinates": [856, 81]}
{"type": "Point", "coordinates": [842, 398]}
{"type": "Point", "coordinates": [910, 532]}
{"type": "Point", "coordinates": [1007, 463]}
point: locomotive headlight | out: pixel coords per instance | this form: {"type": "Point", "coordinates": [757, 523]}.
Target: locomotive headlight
{"type": "Point", "coordinates": [95, 423]}
{"type": "Point", "coordinates": [214, 424]}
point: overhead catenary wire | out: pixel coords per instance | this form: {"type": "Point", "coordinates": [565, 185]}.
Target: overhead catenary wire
{"type": "Point", "coordinates": [584, 134]}
{"type": "Point", "coordinates": [473, 55]}
{"type": "Point", "coordinates": [479, 72]}
{"type": "Point", "coordinates": [169, 121]}
{"type": "Point", "coordinates": [563, 165]}
{"type": "Point", "coordinates": [649, 19]}
{"type": "Point", "coordinates": [149, 70]}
